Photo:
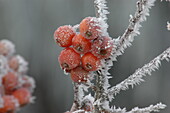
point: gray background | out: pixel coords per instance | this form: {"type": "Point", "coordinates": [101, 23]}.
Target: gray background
{"type": "Point", "coordinates": [30, 25]}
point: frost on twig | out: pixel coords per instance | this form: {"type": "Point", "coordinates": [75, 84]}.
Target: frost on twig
{"type": "Point", "coordinates": [125, 40]}
{"type": "Point", "coordinates": [151, 108]}
{"type": "Point", "coordinates": [136, 78]}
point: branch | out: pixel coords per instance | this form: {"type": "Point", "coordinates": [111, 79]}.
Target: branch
{"type": "Point", "coordinates": [77, 96]}
{"type": "Point", "coordinates": [125, 40]}
{"type": "Point", "coordinates": [136, 78]}
{"type": "Point", "coordinates": [151, 108]}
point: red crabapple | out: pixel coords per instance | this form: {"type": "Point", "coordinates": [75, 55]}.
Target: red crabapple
{"type": "Point", "coordinates": [69, 59]}
{"type": "Point", "coordinates": [78, 74]}
{"type": "Point", "coordinates": [7, 48]}
{"type": "Point", "coordinates": [102, 47]}
{"type": "Point", "coordinates": [23, 95]}
{"type": "Point", "coordinates": [13, 63]}
{"type": "Point", "coordinates": [27, 82]}
{"type": "Point", "coordinates": [81, 44]}
{"type": "Point", "coordinates": [10, 82]}
{"type": "Point", "coordinates": [90, 28]}
{"type": "Point", "coordinates": [90, 62]}
{"type": "Point", "coordinates": [63, 35]}
{"type": "Point", "coordinates": [10, 104]}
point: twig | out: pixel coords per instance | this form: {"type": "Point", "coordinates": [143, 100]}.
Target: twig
{"type": "Point", "coordinates": [136, 78]}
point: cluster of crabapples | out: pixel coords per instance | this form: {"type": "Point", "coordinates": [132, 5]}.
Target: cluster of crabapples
{"type": "Point", "coordinates": [15, 86]}
{"type": "Point", "coordinates": [83, 50]}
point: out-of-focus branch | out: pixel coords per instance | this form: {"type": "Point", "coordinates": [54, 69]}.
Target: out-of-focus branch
{"type": "Point", "coordinates": [136, 78]}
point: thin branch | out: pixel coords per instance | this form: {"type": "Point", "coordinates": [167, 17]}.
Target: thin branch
{"type": "Point", "coordinates": [151, 108]}
{"type": "Point", "coordinates": [136, 78]}
{"type": "Point", "coordinates": [125, 40]}
{"type": "Point", "coordinates": [76, 103]}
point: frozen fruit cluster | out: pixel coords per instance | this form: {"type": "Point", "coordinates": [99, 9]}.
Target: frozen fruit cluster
{"type": "Point", "coordinates": [16, 87]}
{"type": "Point", "coordinates": [83, 50]}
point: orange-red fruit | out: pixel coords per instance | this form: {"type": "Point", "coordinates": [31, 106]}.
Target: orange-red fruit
{"type": "Point", "coordinates": [23, 95]}
{"type": "Point", "coordinates": [69, 59]}
{"type": "Point", "coordinates": [9, 104]}
{"type": "Point", "coordinates": [79, 75]}
{"type": "Point", "coordinates": [10, 82]}
{"type": "Point", "coordinates": [102, 47]}
{"type": "Point", "coordinates": [63, 35]}
{"type": "Point", "coordinates": [81, 44]}
{"type": "Point", "coordinates": [90, 28]}
{"type": "Point", "coordinates": [90, 62]}
{"type": "Point", "coordinates": [14, 63]}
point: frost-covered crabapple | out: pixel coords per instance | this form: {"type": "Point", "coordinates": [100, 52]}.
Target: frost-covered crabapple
{"type": "Point", "coordinates": [27, 82]}
{"type": "Point", "coordinates": [23, 96]}
{"type": "Point", "coordinates": [90, 62]}
{"type": "Point", "coordinates": [13, 63]}
{"type": "Point", "coordinates": [7, 48]}
{"type": "Point", "coordinates": [90, 28]}
{"type": "Point", "coordinates": [81, 44]}
{"type": "Point", "coordinates": [10, 82]}
{"type": "Point", "coordinates": [78, 74]}
{"type": "Point", "coordinates": [69, 59]}
{"type": "Point", "coordinates": [63, 35]}
{"type": "Point", "coordinates": [10, 104]}
{"type": "Point", "coordinates": [102, 47]}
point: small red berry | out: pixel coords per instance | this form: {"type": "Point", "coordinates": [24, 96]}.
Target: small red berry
{"type": "Point", "coordinates": [63, 35]}
{"type": "Point", "coordinates": [7, 48]}
{"type": "Point", "coordinates": [90, 28]}
{"type": "Point", "coordinates": [23, 95]}
{"type": "Point", "coordinates": [10, 82]}
{"type": "Point", "coordinates": [14, 63]}
{"type": "Point", "coordinates": [81, 44]}
{"type": "Point", "coordinates": [102, 47]}
{"type": "Point", "coordinates": [90, 62]}
{"type": "Point", "coordinates": [10, 104]}
{"type": "Point", "coordinates": [79, 74]}
{"type": "Point", "coordinates": [69, 59]}
{"type": "Point", "coordinates": [27, 82]}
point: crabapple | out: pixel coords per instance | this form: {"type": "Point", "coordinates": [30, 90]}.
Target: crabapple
{"type": "Point", "coordinates": [10, 82]}
{"type": "Point", "coordinates": [23, 95]}
{"type": "Point", "coordinates": [69, 59]}
{"type": "Point", "coordinates": [90, 62]}
{"type": "Point", "coordinates": [81, 44]}
{"type": "Point", "coordinates": [90, 28]}
{"type": "Point", "coordinates": [78, 74]}
{"type": "Point", "coordinates": [102, 47]}
{"type": "Point", "coordinates": [10, 104]}
{"type": "Point", "coordinates": [63, 35]}
{"type": "Point", "coordinates": [13, 63]}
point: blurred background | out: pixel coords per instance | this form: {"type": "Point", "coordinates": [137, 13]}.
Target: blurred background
{"type": "Point", "coordinates": [30, 25]}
